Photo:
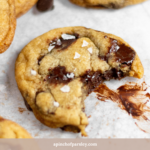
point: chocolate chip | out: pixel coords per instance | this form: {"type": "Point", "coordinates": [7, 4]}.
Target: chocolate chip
{"type": "Point", "coordinates": [27, 105]}
{"type": "Point", "coordinates": [62, 44]}
{"type": "Point", "coordinates": [58, 75]}
{"type": "Point", "coordinates": [44, 5]}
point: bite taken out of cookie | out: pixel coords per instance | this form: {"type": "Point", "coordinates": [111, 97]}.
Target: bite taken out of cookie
{"type": "Point", "coordinates": [113, 4]}
{"type": "Point", "coordinates": [10, 129]}
{"type": "Point", "coordinates": [57, 71]}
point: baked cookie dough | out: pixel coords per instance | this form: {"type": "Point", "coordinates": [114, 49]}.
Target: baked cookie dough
{"type": "Point", "coordinates": [22, 6]}
{"type": "Point", "coordinates": [9, 129]}
{"type": "Point", "coordinates": [57, 71]}
{"type": "Point", "coordinates": [7, 23]}
{"type": "Point", "coordinates": [114, 4]}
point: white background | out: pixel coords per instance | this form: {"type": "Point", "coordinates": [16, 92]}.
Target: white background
{"type": "Point", "coordinates": [107, 120]}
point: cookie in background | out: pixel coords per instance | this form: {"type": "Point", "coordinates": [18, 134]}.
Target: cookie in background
{"type": "Point", "coordinates": [10, 129]}
{"type": "Point", "coordinates": [112, 4]}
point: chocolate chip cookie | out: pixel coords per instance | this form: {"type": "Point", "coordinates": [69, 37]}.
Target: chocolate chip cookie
{"type": "Point", "coordinates": [22, 6]}
{"type": "Point", "coordinates": [9, 129]}
{"type": "Point", "coordinates": [57, 71]}
{"type": "Point", "coordinates": [7, 23]}
{"type": "Point", "coordinates": [114, 4]}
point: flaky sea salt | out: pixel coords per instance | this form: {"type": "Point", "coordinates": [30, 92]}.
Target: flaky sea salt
{"type": "Point", "coordinates": [33, 72]}
{"type": "Point", "coordinates": [59, 42]}
{"type": "Point", "coordinates": [50, 47]}
{"type": "Point", "coordinates": [65, 89]}
{"type": "Point", "coordinates": [90, 50]}
{"type": "Point", "coordinates": [85, 43]}
{"type": "Point", "coordinates": [117, 47]}
{"type": "Point", "coordinates": [67, 36]}
{"type": "Point", "coordinates": [56, 104]}
{"type": "Point", "coordinates": [71, 75]}
{"type": "Point", "coordinates": [77, 55]}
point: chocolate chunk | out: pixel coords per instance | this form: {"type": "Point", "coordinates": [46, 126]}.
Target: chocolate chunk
{"type": "Point", "coordinates": [58, 75]}
{"type": "Point", "coordinates": [61, 44]}
{"type": "Point", "coordinates": [40, 59]}
{"type": "Point", "coordinates": [92, 80]}
{"type": "Point", "coordinates": [71, 128]}
{"type": "Point", "coordinates": [103, 58]}
{"type": "Point", "coordinates": [123, 53]}
{"type": "Point", "coordinates": [113, 74]}
{"type": "Point", "coordinates": [44, 5]}
{"type": "Point", "coordinates": [27, 105]}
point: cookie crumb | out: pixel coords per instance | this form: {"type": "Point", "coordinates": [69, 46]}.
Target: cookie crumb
{"type": "Point", "coordinates": [67, 36]}
{"type": "Point", "coordinates": [89, 116]}
{"type": "Point", "coordinates": [56, 104]}
{"type": "Point", "coordinates": [85, 43]}
{"type": "Point", "coordinates": [50, 47]}
{"type": "Point", "coordinates": [65, 89]}
{"type": "Point", "coordinates": [71, 75]}
{"type": "Point", "coordinates": [90, 50]}
{"type": "Point", "coordinates": [77, 55]}
{"type": "Point", "coordinates": [33, 72]}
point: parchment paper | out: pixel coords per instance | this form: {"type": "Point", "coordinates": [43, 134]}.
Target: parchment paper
{"type": "Point", "coordinates": [107, 119]}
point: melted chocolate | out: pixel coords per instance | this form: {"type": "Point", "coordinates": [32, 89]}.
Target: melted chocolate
{"type": "Point", "coordinates": [58, 75]}
{"type": "Point", "coordinates": [61, 44]}
{"type": "Point", "coordinates": [122, 53]}
{"type": "Point", "coordinates": [125, 95]}
{"type": "Point", "coordinates": [44, 5]}
{"type": "Point", "coordinates": [40, 58]}
{"type": "Point", "coordinates": [93, 79]}
{"type": "Point", "coordinates": [90, 79]}
{"type": "Point", "coordinates": [113, 74]}
{"type": "Point", "coordinates": [71, 128]}
{"type": "Point", "coordinates": [27, 105]}
{"type": "Point", "coordinates": [127, 98]}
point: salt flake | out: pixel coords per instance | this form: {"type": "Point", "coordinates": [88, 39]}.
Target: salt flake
{"type": "Point", "coordinates": [71, 75]}
{"type": "Point", "coordinates": [77, 55]}
{"type": "Point", "coordinates": [90, 50]}
{"type": "Point", "coordinates": [56, 104]}
{"type": "Point", "coordinates": [85, 43]}
{"type": "Point", "coordinates": [50, 47]}
{"type": "Point", "coordinates": [67, 36]}
{"type": "Point", "coordinates": [59, 42]}
{"type": "Point", "coordinates": [33, 72]}
{"type": "Point", "coordinates": [65, 89]}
